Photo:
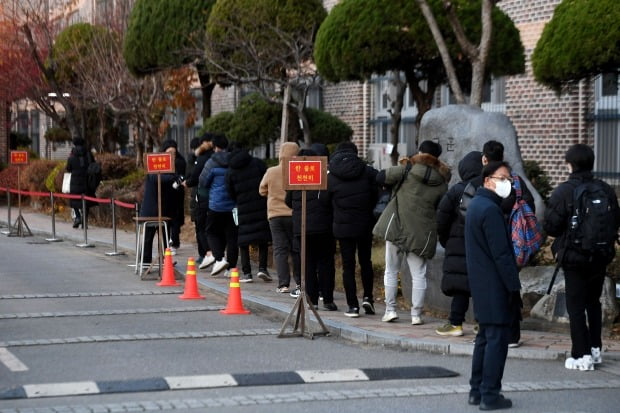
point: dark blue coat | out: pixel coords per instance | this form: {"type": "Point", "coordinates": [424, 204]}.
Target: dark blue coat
{"type": "Point", "coordinates": [213, 178]}
{"type": "Point", "coordinates": [148, 208]}
{"type": "Point", "coordinates": [491, 264]}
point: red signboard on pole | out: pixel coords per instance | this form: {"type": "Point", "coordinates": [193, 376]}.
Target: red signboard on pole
{"type": "Point", "coordinates": [305, 173]}
{"type": "Point", "coordinates": [19, 158]}
{"type": "Point", "coordinates": [159, 163]}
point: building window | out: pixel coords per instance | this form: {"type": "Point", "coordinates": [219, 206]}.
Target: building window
{"type": "Point", "coordinates": [609, 84]}
{"type": "Point", "coordinates": [34, 130]}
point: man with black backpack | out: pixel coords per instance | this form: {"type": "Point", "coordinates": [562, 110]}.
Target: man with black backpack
{"type": "Point", "coordinates": [583, 215]}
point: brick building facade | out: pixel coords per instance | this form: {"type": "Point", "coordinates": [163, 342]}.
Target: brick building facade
{"type": "Point", "coordinates": [4, 131]}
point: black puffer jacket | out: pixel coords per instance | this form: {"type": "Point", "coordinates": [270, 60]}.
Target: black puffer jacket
{"type": "Point", "coordinates": [451, 228]}
{"type": "Point", "coordinates": [244, 175]}
{"type": "Point", "coordinates": [353, 193]}
{"type": "Point", "coordinates": [558, 211]}
{"type": "Point", "coordinates": [77, 164]}
{"type": "Point", "coordinates": [318, 212]}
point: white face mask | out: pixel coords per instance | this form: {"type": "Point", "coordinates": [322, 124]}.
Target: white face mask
{"type": "Point", "coordinates": [503, 188]}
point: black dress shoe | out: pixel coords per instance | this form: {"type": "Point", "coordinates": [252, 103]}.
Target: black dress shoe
{"type": "Point", "coordinates": [76, 222]}
{"type": "Point", "coordinates": [501, 403]}
{"type": "Point", "coordinates": [473, 400]}
{"type": "Point", "coordinates": [330, 306]}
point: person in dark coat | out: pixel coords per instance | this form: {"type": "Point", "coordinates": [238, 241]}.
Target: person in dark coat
{"type": "Point", "coordinates": [221, 228]}
{"type": "Point", "coordinates": [148, 207]}
{"type": "Point", "coordinates": [353, 193]}
{"type": "Point", "coordinates": [177, 219]}
{"type": "Point", "coordinates": [244, 175]}
{"type": "Point", "coordinates": [201, 198]}
{"type": "Point", "coordinates": [584, 275]}
{"type": "Point", "coordinates": [77, 164]}
{"type": "Point", "coordinates": [451, 235]}
{"type": "Point", "coordinates": [493, 151]}
{"type": "Point", "coordinates": [494, 284]}
{"type": "Point", "coordinates": [320, 268]}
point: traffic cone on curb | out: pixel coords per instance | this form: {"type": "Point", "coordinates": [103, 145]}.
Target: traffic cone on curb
{"type": "Point", "coordinates": [191, 285]}
{"type": "Point", "coordinates": [235, 305]}
{"type": "Point", "coordinates": [167, 278]}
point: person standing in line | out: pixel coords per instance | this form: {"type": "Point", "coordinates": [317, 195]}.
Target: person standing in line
{"type": "Point", "coordinates": [200, 197]}
{"type": "Point", "coordinates": [280, 220]}
{"type": "Point", "coordinates": [320, 268]}
{"type": "Point", "coordinates": [178, 215]}
{"type": "Point", "coordinates": [409, 226]}
{"type": "Point", "coordinates": [494, 284]}
{"type": "Point", "coordinates": [244, 175]}
{"type": "Point", "coordinates": [353, 192]}
{"type": "Point", "coordinates": [584, 274]}
{"type": "Point", "coordinates": [451, 234]}
{"type": "Point", "coordinates": [221, 227]}
{"type": "Point", "coordinates": [77, 164]}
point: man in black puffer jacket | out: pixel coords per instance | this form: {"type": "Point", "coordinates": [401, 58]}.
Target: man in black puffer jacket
{"type": "Point", "coordinates": [353, 192]}
{"type": "Point", "coordinates": [244, 175]}
{"type": "Point", "coordinates": [451, 234]}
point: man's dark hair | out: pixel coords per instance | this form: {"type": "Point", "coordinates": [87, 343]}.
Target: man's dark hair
{"type": "Point", "coordinates": [206, 137]}
{"type": "Point", "coordinates": [493, 150]}
{"type": "Point", "coordinates": [580, 157]}
{"type": "Point", "coordinates": [492, 167]}
{"type": "Point", "coordinates": [431, 148]}
{"type": "Point", "coordinates": [194, 143]}
{"type": "Point", "coordinates": [347, 146]}
{"type": "Point", "coordinates": [220, 141]}
{"type": "Point", "coordinates": [306, 152]}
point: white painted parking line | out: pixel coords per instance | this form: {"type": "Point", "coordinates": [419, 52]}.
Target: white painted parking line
{"type": "Point", "coordinates": [10, 361]}
{"type": "Point", "coordinates": [61, 389]}
{"type": "Point", "coordinates": [318, 376]}
{"type": "Point", "coordinates": [200, 382]}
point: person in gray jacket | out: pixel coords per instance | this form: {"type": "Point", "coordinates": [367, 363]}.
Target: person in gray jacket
{"type": "Point", "coordinates": [408, 224]}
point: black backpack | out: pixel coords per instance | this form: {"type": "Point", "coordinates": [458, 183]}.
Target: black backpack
{"type": "Point", "coordinates": [468, 194]}
{"type": "Point", "coordinates": [592, 229]}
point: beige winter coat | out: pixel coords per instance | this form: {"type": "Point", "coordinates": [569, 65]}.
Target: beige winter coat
{"type": "Point", "coordinates": [271, 185]}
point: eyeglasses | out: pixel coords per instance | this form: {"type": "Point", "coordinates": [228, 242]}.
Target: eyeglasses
{"type": "Point", "coordinates": [502, 178]}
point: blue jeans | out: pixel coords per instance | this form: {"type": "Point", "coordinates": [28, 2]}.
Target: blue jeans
{"type": "Point", "coordinates": [282, 244]}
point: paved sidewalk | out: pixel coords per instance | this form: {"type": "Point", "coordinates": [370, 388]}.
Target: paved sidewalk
{"type": "Point", "coordinates": [262, 298]}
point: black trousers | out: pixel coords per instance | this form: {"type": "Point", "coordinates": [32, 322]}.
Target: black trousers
{"type": "Point", "coordinates": [489, 359]}
{"type": "Point", "coordinates": [246, 265]}
{"type": "Point", "coordinates": [200, 224]}
{"type": "Point", "coordinates": [348, 247]}
{"type": "Point", "coordinates": [222, 236]}
{"type": "Point", "coordinates": [320, 267]}
{"type": "Point", "coordinates": [584, 286]}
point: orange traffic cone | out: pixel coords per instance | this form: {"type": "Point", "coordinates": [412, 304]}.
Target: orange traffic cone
{"type": "Point", "coordinates": [191, 286]}
{"type": "Point", "coordinates": [234, 306]}
{"type": "Point", "coordinates": [167, 278]}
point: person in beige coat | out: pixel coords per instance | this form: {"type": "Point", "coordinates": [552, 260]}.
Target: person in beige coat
{"type": "Point", "coordinates": [281, 222]}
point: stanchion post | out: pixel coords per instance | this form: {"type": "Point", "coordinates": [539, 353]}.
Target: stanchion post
{"type": "Point", "coordinates": [114, 252]}
{"type": "Point", "coordinates": [8, 213]}
{"type": "Point", "coordinates": [53, 206]}
{"type": "Point", "coordinates": [85, 244]}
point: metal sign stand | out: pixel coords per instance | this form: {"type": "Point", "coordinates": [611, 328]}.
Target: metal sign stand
{"type": "Point", "coordinates": [299, 308]}
{"type": "Point", "coordinates": [20, 222]}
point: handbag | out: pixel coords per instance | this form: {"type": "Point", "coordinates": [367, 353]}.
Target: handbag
{"type": "Point", "coordinates": [66, 183]}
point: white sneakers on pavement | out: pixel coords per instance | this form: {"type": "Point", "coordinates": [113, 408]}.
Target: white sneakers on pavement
{"type": "Point", "coordinates": [416, 320]}
{"type": "Point", "coordinates": [219, 266]}
{"type": "Point", "coordinates": [584, 363]}
{"type": "Point", "coordinates": [389, 316]}
{"type": "Point", "coordinates": [597, 358]}
{"type": "Point", "coordinates": [206, 261]}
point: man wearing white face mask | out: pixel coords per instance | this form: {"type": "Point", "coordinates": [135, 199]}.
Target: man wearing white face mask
{"type": "Point", "coordinates": [494, 284]}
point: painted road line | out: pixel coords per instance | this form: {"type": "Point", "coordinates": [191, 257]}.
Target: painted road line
{"type": "Point", "coordinates": [90, 313]}
{"type": "Point", "coordinates": [201, 382]}
{"type": "Point", "coordinates": [89, 294]}
{"type": "Point", "coordinates": [324, 376]}
{"type": "Point", "coordinates": [10, 361]}
{"type": "Point", "coordinates": [61, 389]}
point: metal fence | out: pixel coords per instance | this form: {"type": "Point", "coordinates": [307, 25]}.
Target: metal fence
{"type": "Point", "coordinates": [606, 118]}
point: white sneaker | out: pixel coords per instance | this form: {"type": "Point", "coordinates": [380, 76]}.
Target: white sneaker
{"type": "Point", "coordinates": [173, 251]}
{"type": "Point", "coordinates": [597, 358]}
{"type": "Point", "coordinates": [583, 364]}
{"type": "Point", "coordinates": [389, 316]}
{"type": "Point", "coordinates": [206, 261]}
{"type": "Point", "coordinates": [219, 266]}
{"type": "Point", "coordinates": [416, 320]}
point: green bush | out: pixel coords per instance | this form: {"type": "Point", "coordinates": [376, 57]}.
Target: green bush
{"type": "Point", "coordinates": [538, 177]}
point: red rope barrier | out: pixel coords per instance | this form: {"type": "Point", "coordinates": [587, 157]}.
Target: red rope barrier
{"type": "Point", "coordinates": [69, 196]}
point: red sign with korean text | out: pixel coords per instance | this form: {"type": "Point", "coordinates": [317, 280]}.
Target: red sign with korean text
{"type": "Point", "coordinates": [19, 157]}
{"type": "Point", "coordinates": [159, 163]}
{"type": "Point", "coordinates": [306, 172]}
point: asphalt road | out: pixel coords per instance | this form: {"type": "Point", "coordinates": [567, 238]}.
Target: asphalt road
{"type": "Point", "coordinates": [75, 321]}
